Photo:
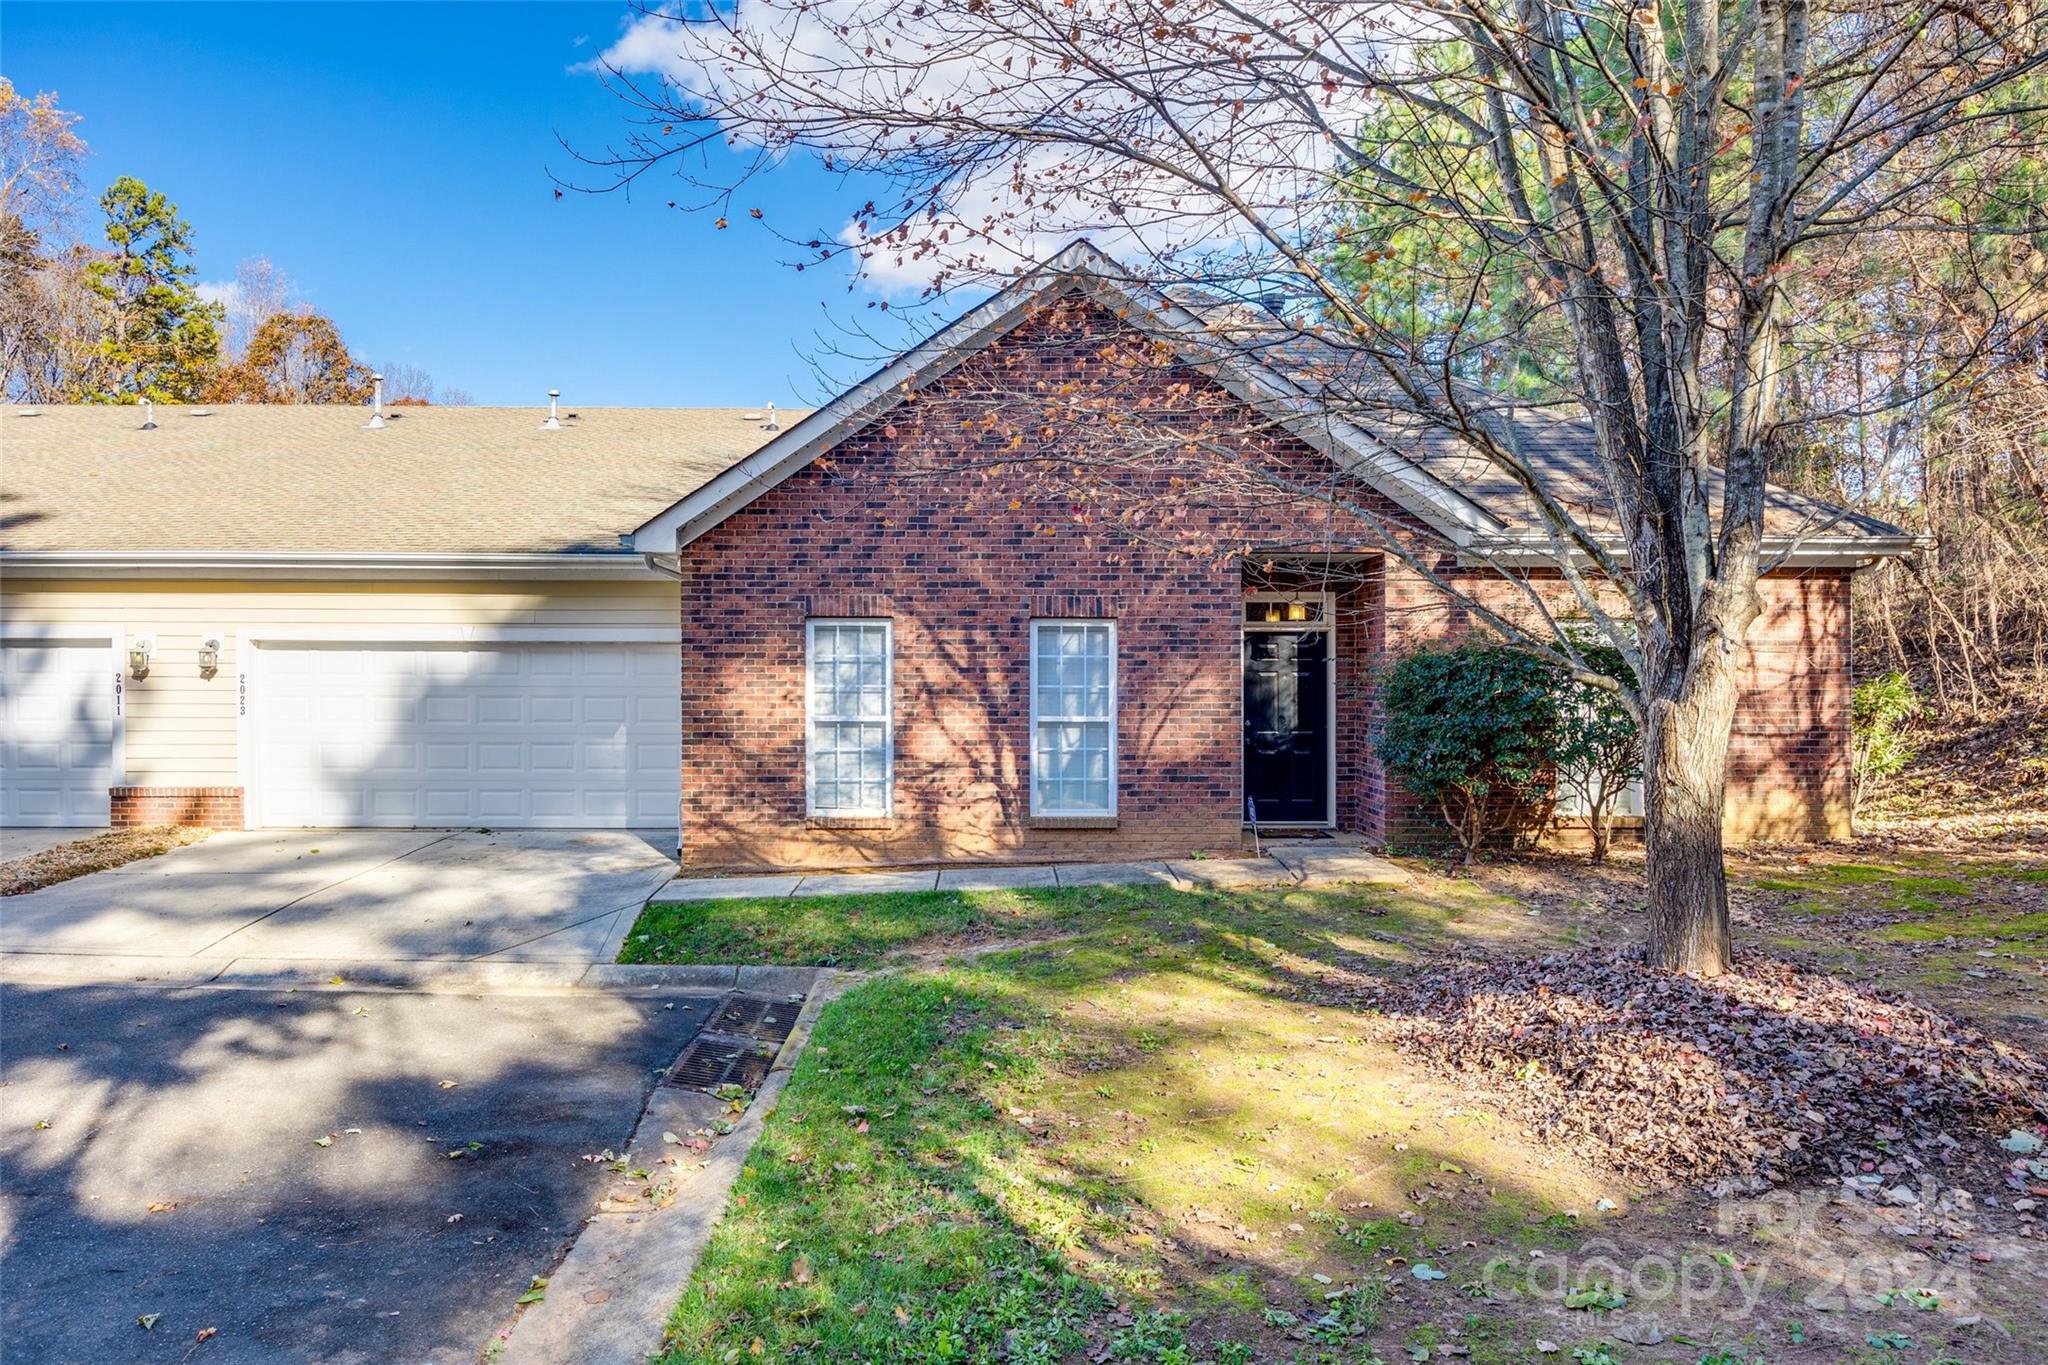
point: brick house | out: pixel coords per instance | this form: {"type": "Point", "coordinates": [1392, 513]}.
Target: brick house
{"type": "Point", "coordinates": [1095, 572]}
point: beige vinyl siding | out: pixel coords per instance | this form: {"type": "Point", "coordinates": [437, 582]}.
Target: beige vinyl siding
{"type": "Point", "coordinates": [182, 728]}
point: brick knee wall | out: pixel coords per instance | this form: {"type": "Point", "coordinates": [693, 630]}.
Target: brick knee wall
{"type": "Point", "coordinates": [207, 807]}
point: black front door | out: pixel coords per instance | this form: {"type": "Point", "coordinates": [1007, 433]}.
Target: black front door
{"type": "Point", "coordinates": [1287, 726]}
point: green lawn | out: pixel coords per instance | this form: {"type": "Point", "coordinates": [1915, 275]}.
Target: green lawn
{"type": "Point", "coordinates": [870, 931]}
{"type": "Point", "coordinates": [828, 931]}
{"type": "Point", "coordinates": [1971, 934]}
{"type": "Point", "coordinates": [1043, 1153]}
{"type": "Point", "coordinates": [1133, 1124]}
{"type": "Point", "coordinates": [869, 1223]}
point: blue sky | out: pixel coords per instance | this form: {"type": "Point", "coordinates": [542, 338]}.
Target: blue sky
{"type": "Point", "coordinates": [393, 160]}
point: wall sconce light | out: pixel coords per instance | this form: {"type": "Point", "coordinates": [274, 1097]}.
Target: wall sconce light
{"type": "Point", "coordinates": [140, 647]}
{"type": "Point", "coordinates": [209, 655]}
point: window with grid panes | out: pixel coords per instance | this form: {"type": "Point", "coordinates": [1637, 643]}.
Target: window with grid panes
{"type": "Point", "coordinates": [852, 721]}
{"type": "Point", "coordinates": [1073, 718]}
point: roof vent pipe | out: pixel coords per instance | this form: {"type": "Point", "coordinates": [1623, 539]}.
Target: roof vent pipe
{"type": "Point", "coordinates": [554, 422]}
{"type": "Point", "coordinates": [376, 421]}
{"type": "Point", "coordinates": [148, 415]}
{"type": "Point", "coordinates": [771, 424]}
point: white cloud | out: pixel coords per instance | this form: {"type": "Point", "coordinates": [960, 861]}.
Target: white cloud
{"type": "Point", "coordinates": [871, 82]}
{"type": "Point", "coordinates": [227, 293]}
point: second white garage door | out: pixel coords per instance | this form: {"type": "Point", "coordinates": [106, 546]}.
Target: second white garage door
{"type": "Point", "coordinates": [527, 735]}
{"type": "Point", "coordinates": [56, 732]}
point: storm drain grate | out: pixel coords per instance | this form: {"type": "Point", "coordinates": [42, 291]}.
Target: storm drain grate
{"type": "Point", "coordinates": [755, 1016]}
{"type": "Point", "coordinates": [711, 1062]}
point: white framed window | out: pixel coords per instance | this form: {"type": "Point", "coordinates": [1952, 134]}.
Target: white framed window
{"type": "Point", "coordinates": [1073, 717]}
{"type": "Point", "coordinates": [1573, 805]}
{"type": "Point", "coordinates": [849, 690]}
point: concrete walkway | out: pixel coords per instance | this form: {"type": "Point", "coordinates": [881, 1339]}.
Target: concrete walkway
{"type": "Point", "coordinates": [1305, 863]}
{"type": "Point", "coordinates": [609, 1299]}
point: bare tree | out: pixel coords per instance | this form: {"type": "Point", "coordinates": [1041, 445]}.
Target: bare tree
{"type": "Point", "coordinates": [1642, 183]}
{"type": "Point", "coordinates": [45, 311]}
{"type": "Point", "coordinates": [411, 385]}
{"type": "Point", "coordinates": [41, 156]}
{"type": "Point", "coordinates": [405, 383]}
{"type": "Point", "coordinates": [260, 291]}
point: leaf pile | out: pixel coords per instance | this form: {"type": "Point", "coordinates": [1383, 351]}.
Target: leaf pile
{"type": "Point", "coordinates": [1773, 1070]}
{"type": "Point", "coordinates": [62, 862]}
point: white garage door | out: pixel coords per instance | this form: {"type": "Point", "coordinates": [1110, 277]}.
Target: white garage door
{"type": "Point", "coordinates": [56, 732]}
{"type": "Point", "coordinates": [568, 736]}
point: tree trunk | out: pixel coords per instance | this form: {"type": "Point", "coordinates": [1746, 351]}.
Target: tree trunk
{"type": "Point", "coordinates": [1599, 824]}
{"type": "Point", "coordinates": [1685, 766]}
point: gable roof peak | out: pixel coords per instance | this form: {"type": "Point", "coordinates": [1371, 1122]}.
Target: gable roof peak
{"type": "Point", "coordinates": [1080, 261]}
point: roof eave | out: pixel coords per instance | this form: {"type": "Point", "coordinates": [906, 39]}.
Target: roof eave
{"type": "Point", "coordinates": [1779, 552]}
{"type": "Point", "coordinates": [357, 566]}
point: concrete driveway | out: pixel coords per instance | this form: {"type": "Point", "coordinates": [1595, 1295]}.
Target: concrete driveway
{"type": "Point", "coordinates": [20, 841]}
{"type": "Point", "coordinates": [325, 1174]}
{"type": "Point", "coordinates": [353, 895]}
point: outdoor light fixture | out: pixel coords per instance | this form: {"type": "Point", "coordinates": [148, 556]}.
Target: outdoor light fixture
{"type": "Point", "coordinates": [139, 650]}
{"type": "Point", "coordinates": [1273, 611]}
{"type": "Point", "coordinates": [209, 655]}
{"type": "Point", "coordinates": [1297, 611]}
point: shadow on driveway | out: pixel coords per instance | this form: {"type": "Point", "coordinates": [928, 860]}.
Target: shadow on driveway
{"type": "Point", "coordinates": [336, 895]}
{"type": "Point", "coordinates": [206, 1105]}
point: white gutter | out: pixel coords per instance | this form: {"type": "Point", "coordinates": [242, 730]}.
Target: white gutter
{"type": "Point", "coordinates": [324, 565]}
{"type": "Point", "coordinates": [668, 566]}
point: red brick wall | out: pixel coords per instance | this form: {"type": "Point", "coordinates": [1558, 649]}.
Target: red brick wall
{"type": "Point", "coordinates": [917, 518]}
{"type": "Point", "coordinates": [928, 518]}
{"type": "Point", "coordinates": [1788, 762]}
{"type": "Point", "coordinates": [206, 807]}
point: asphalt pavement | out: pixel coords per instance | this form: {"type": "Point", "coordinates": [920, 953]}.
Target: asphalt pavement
{"type": "Point", "coordinates": [330, 1174]}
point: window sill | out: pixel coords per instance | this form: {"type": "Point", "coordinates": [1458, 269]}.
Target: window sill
{"type": "Point", "coordinates": [850, 821]}
{"type": "Point", "coordinates": [1073, 822]}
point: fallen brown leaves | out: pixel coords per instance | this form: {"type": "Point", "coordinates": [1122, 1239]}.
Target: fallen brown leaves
{"type": "Point", "coordinates": [1773, 1070]}
{"type": "Point", "coordinates": [35, 871]}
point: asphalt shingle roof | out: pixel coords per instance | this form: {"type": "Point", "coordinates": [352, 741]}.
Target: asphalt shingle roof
{"type": "Point", "coordinates": [313, 479]}
{"type": "Point", "coordinates": [1556, 442]}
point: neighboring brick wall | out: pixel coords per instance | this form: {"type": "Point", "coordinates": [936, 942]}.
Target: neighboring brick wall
{"type": "Point", "coordinates": [924, 518]}
{"type": "Point", "coordinates": [208, 807]}
{"type": "Point", "coordinates": [1788, 758]}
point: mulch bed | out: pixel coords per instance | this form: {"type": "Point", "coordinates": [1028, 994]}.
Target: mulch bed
{"type": "Point", "coordinates": [1774, 1071]}
{"type": "Point", "coordinates": [102, 851]}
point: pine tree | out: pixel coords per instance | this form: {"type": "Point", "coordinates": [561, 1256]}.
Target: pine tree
{"type": "Point", "coordinates": [161, 340]}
